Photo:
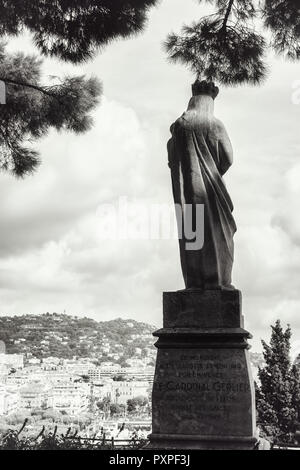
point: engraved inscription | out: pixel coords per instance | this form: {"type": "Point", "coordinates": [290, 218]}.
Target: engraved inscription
{"type": "Point", "coordinates": [197, 392]}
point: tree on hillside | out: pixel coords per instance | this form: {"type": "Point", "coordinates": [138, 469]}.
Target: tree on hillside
{"type": "Point", "coordinates": [70, 30]}
{"type": "Point", "coordinates": [229, 48]}
{"type": "Point", "coordinates": [116, 409]}
{"type": "Point", "coordinates": [136, 404]}
{"type": "Point", "coordinates": [278, 395]}
{"type": "Point", "coordinates": [119, 378]}
{"type": "Point", "coordinates": [104, 404]}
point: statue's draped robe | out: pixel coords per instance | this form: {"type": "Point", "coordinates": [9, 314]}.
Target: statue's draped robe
{"type": "Point", "coordinates": [199, 154]}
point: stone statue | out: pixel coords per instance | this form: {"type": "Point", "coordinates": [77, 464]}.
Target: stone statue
{"type": "Point", "coordinates": [203, 392]}
{"type": "Point", "coordinates": [200, 153]}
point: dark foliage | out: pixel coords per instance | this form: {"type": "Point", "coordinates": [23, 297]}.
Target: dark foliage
{"type": "Point", "coordinates": [15, 440]}
{"type": "Point", "coordinates": [226, 46]}
{"type": "Point", "coordinates": [278, 396]}
{"type": "Point", "coordinates": [230, 55]}
{"type": "Point", "coordinates": [36, 328]}
{"type": "Point", "coordinates": [282, 17]}
{"type": "Point", "coordinates": [31, 109]}
{"type": "Point", "coordinates": [73, 30]}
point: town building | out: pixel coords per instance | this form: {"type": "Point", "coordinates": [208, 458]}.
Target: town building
{"type": "Point", "coordinates": [122, 391]}
{"type": "Point", "coordinates": [14, 361]}
{"type": "Point", "coordinates": [70, 397]}
{"type": "Point", "coordinates": [34, 395]}
{"type": "Point", "coordinates": [9, 401]}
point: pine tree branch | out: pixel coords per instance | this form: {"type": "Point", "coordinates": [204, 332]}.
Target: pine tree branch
{"type": "Point", "coordinates": [28, 85]}
{"type": "Point", "coordinates": [227, 14]}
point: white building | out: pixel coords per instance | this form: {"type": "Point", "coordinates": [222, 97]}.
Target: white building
{"type": "Point", "coordinates": [73, 398]}
{"type": "Point", "coordinates": [111, 370]}
{"type": "Point", "coordinates": [103, 389]}
{"type": "Point", "coordinates": [122, 391]}
{"type": "Point", "coordinates": [3, 372]}
{"type": "Point", "coordinates": [34, 361]}
{"type": "Point", "coordinates": [79, 368]}
{"type": "Point", "coordinates": [95, 374]}
{"type": "Point", "coordinates": [17, 380]}
{"type": "Point", "coordinates": [107, 369]}
{"type": "Point", "coordinates": [14, 361]}
{"type": "Point", "coordinates": [9, 401]}
{"type": "Point", "coordinates": [139, 373]}
{"type": "Point", "coordinates": [34, 395]}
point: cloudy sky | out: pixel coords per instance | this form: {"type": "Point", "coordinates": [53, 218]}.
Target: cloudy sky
{"type": "Point", "coordinates": [52, 254]}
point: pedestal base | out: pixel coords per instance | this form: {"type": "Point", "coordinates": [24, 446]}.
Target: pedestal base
{"type": "Point", "coordinates": [203, 393]}
{"type": "Point", "coordinates": [186, 442]}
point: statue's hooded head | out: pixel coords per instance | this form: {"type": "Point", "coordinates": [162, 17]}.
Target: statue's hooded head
{"type": "Point", "coordinates": [202, 87]}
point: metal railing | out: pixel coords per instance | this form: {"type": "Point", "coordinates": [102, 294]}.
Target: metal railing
{"type": "Point", "coordinates": [112, 442]}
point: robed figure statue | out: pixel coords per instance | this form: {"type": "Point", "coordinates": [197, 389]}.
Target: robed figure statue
{"type": "Point", "coordinates": [200, 153]}
{"type": "Point", "coordinates": [203, 323]}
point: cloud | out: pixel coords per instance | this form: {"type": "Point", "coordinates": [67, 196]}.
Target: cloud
{"type": "Point", "coordinates": [267, 244]}
{"type": "Point", "coordinates": [53, 256]}
{"type": "Point", "coordinates": [77, 174]}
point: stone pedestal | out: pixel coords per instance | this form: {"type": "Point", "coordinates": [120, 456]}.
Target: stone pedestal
{"type": "Point", "coordinates": [203, 392]}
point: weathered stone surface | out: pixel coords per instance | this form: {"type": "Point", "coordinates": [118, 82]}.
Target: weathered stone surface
{"type": "Point", "coordinates": [202, 443]}
{"type": "Point", "coordinates": [200, 153]}
{"type": "Point", "coordinates": [206, 392]}
{"type": "Point", "coordinates": [202, 309]}
{"type": "Point", "coordinates": [203, 393]}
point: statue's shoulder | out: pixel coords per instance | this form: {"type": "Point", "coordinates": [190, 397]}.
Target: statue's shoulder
{"type": "Point", "coordinates": [217, 128]}
{"type": "Point", "coordinates": [182, 120]}
{"type": "Point", "coordinates": [194, 121]}
{"type": "Point", "coordinates": [218, 123]}
{"type": "Point", "coordinates": [186, 121]}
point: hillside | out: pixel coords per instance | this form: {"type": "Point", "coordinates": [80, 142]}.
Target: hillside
{"type": "Point", "coordinates": [66, 336]}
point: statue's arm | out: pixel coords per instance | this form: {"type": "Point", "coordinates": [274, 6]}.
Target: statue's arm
{"type": "Point", "coordinates": [170, 148]}
{"type": "Point", "coordinates": [170, 153]}
{"type": "Point", "coordinates": [225, 149]}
